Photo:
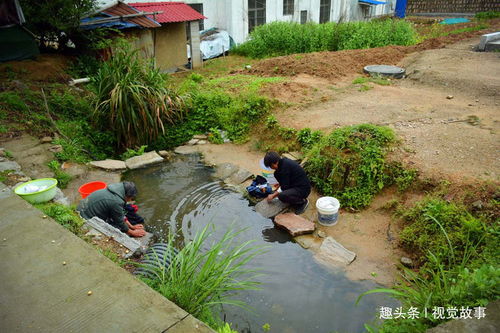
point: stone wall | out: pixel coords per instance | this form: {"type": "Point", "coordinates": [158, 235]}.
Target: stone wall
{"type": "Point", "coordinates": [451, 6]}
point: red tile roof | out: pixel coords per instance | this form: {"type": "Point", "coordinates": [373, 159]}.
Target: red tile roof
{"type": "Point", "coordinates": [121, 9]}
{"type": "Point", "coordinates": [172, 11]}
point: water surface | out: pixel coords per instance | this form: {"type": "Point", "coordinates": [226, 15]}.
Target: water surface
{"type": "Point", "coordinates": [297, 294]}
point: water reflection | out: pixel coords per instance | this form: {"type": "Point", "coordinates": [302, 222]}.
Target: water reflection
{"type": "Point", "coordinates": [297, 295]}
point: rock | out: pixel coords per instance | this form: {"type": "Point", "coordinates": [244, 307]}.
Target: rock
{"type": "Point", "coordinates": [192, 142]}
{"type": "Point", "coordinates": [60, 198]}
{"type": "Point", "coordinates": [9, 165]}
{"type": "Point", "coordinates": [239, 177]}
{"type": "Point", "coordinates": [46, 139]}
{"type": "Point", "coordinates": [143, 160]}
{"type": "Point", "coordinates": [321, 234]}
{"type": "Point", "coordinates": [270, 209]}
{"type": "Point", "coordinates": [202, 142]}
{"type": "Point", "coordinates": [200, 137]}
{"type": "Point", "coordinates": [225, 170]}
{"type": "Point", "coordinates": [406, 261]}
{"type": "Point", "coordinates": [305, 241]}
{"type": "Point", "coordinates": [109, 165]}
{"type": "Point", "coordinates": [185, 150]}
{"type": "Point", "coordinates": [294, 224]}
{"type": "Point", "coordinates": [449, 97]}
{"type": "Point", "coordinates": [2, 152]}
{"type": "Point", "coordinates": [331, 250]}
{"type": "Point", "coordinates": [294, 156]}
{"type": "Point", "coordinates": [56, 148]}
{"type": "Point", "coordinates": [3, 159]}
{"type": "Point", "coordinates": [478, 204]}
{"type": "Point", "coordinates": [166, 154]}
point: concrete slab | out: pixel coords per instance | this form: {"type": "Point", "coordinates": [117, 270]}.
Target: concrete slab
{"type": "Point", "coordinates": [39, 293]}
{"type": "Point", "coordinates": [143, 160]}
{"type": "Point", "coordinates": [109, 164]}
{"type": "Point", "coordinates": [492, 46]}
{"type": "Point", "coordinates": [488, 38]}
{"type": "Point", "coordinates": [270, 209]}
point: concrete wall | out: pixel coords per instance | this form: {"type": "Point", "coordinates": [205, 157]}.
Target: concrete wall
{"type": "Point", "coordinates": [142, 39]}
{"type": "Point", "coordinates": [170, 46]}
{"type": "Point", "coordinates": [451, 6]}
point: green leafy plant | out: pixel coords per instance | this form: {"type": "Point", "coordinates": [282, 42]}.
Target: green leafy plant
{"type": "Point", "coordinates": [133, 152]}
{"type": "Point", "coordinates": [214, 136]}
{"type": "Point", "coordinates": [199, 279]}
{"type": "Point", "coordinates": [64, 215]}
{"type": "Point", "coordinates": [487, 15]}
{"type": "Point", "coordinates": [349, 163]}
{"type": "Point", "coordinates": [63, 178]}
{"type": "Point", "coordinates": [306, 137]}
{"type": "Point", "coordinates": [132, 98]}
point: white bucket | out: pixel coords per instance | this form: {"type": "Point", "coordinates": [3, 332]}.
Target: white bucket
{"type": "Point", "coordinates": [328, 210]}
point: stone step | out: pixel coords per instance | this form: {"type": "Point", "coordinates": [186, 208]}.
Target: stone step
{"type": "Point", "coordinates": [294, 224]}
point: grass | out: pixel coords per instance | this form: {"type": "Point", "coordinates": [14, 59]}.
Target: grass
{"type": "Point", "coordinates": [201, 277]}
{"type": "Point", "coordinates": [64, 215]}
{"type": "Point", "coordinates": [283, 38]}
{"type": "Point", "coordinates": [378, 80]}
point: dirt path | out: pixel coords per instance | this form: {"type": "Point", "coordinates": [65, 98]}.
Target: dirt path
{"type": "Point", "coordinates": [456, 137]}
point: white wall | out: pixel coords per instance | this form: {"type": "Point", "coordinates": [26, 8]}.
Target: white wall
{"type": "Point", "coordinates": [231, 15]}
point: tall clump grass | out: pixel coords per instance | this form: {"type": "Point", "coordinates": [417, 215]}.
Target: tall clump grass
{"type": "Point", "coordinates": [132, 98]}
{"type": "Point", "coordinates": [202, 277]}
{"type": "Point", "coordinates": [283, 38]}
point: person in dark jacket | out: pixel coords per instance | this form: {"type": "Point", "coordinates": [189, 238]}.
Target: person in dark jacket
{"type": "Point", "coordinates": [292, 179]}
{"type": "Point", "coordinates": [109, 205]}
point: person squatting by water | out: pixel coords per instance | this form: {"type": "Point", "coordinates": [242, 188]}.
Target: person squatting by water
{"type": "Point", "coordinates": [292, 180]}
{"type": "Point", "coordinates": [110, 205]}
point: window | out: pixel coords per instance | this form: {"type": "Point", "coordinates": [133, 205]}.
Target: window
{"type": "Point", "coordinates": [256, 13]}
{"type": "Point", "coordinates": [303, 16]}
{"type": "Point", "coordinates": [287, 7]}
{"type": "Point", "coordinates": [199, 8]}
{"type": "Point", "coordinates": [324, 11]}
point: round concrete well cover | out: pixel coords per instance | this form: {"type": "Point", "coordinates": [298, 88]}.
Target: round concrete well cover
{"type": "Point", "coordinates": [385, 70]}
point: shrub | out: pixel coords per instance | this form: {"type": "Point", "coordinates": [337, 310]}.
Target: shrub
{"type": "Point", "coordinates": [487, 15]}
{"type": "Point", "coordinates": [132, 98]}
{"type": "Point", "coordinates": [282, 38]}
{"type": "Point", "coordinates": [198, 279]}
{"type": "Point", "coordinates": [349, 163]}
{"type": "Point", "coordinates": [65, 216]}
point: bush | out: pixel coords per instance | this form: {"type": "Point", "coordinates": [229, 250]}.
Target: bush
{"type": "Point", "coordinates": [349, 163]}
{"type": "Point", "coordinates": [487, 15]}
{"type": "Point", "coordinates": [199, 279]}
{"type": "Point", "coordinates": [282, 38]}
{"type": "Point", "coordinates": [132, 98]}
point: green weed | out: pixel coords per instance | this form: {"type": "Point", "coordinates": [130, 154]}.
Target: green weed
{"type": "Point", "coordinates": [63, 178]}
{"type": "Point", "coordinates": [307, 138]}
{"type": "Point", "coordinates": [114, 257]}
{"type": "Point", "coordinates": [64, 215]}
{"type": "Point", "coordinates": [133, 152]}
{"type": "Point", "coordinates": [199, 279]}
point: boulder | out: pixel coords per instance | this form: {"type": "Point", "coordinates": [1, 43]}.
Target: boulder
{"type": "Point", "coordinates": [239, 177]}
{"type": "Point", "coordinates": [109, 165]}
{"type": "Point", "coordinates": [406, 261]}
{"type": "Point", "coordinates": [225, 170]}
{"type": "Point", "coordinates": [46, 139]}
{"type": "Point", "coordinates": [333, 251]}
{"type": "Point", "coordinates": [294, 224]}
{"type": "Point", "coordinates": [270, 209]}
{"type": "Point", "coordinates": [143, 160]}
{"type": "Point", "coordinates": [56, 148]}
{"type": "Point", "coordinates": [185, 150]}
{"type": "Point", "coordinates": [166, 154]}
{"type": "Point", "coordinates": [9, 165]}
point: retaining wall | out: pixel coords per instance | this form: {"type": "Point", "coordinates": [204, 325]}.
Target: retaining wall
{"type": "Point", "coordinates": [451, 6]}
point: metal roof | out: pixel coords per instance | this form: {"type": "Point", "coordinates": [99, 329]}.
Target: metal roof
{"type": "Point", "coordinates": [372, 2]}
{"type": "Point", "coordinates": [121, 9]}
{"type": "Point", "coordinates": [172, 11]}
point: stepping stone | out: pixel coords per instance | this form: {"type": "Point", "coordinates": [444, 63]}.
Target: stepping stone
{"type": "Point", "coordinates": [9, 165]}
{"type": "Point", "coordinates": [239, 177]}
{"type": "Point", "coordinates": [270, 209]}
{"type": "Point", "coordinates": [333, 251]}
{"type": "Point", "coordinates": [225, 170]}
{"type": "Point", "coordinates": [200, 137]}
{"type": "Point", "coordinates": [185, 150]}
{"type": "Point", "coordinates": [143, 160]}
{"type": "Point", "coordinates": [306, 241]}
{"type": "Point", "coordinates": [109, 165]}
{"type": "Point", "coordinates": [192, 142]}
{"type": "Point", "coordinates": [294, 224]}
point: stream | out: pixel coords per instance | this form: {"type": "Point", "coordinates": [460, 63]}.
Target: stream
{"type": "Point", "coordinates": [297, 293]}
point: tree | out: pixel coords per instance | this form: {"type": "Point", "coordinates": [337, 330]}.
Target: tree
{"type": "Point", "coordinates": [54, 22]}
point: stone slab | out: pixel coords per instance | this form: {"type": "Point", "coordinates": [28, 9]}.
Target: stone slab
{"type": "Point", "coordinates": [192, 142]}
{"type": "Point", "coordinates": [306, 241]}
{"type": "Point", "coordinates": [270, 209]}
{"type": "Point", "coordinates": [294, 156]}
{"type": "Point", "coordinates": [295, 225]}
{"type": "Point", "coordinates": [109, 164]}
{"type": "Point", "coordinates": [492, 46]}
{"type": "Point", "coordinates": [200, 136]}
{"type": "Point", "coordinates": [9, 165]}
{"type": "Point", "coordinates": [225, 170]}
{"type": "Point", "coordinates": [143, 160]}
{"type": "Point", "coordinates": [239, 177]}
{"type": "Point", "coordinates": [332, 251]}
{"type": "Point", "coordinates": [185, 150]}
{"type": "Point", "coordinates": [41, 294]}
{"type": "Point", "coordinates": [485, 39]}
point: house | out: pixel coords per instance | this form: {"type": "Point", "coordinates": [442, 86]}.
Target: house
{"type": "Point", "coordinates": [16, 42]}
{"type": "Point", "coordinates": [239, 17]}
{"type": "Point", "coordinates": [158, 29]}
